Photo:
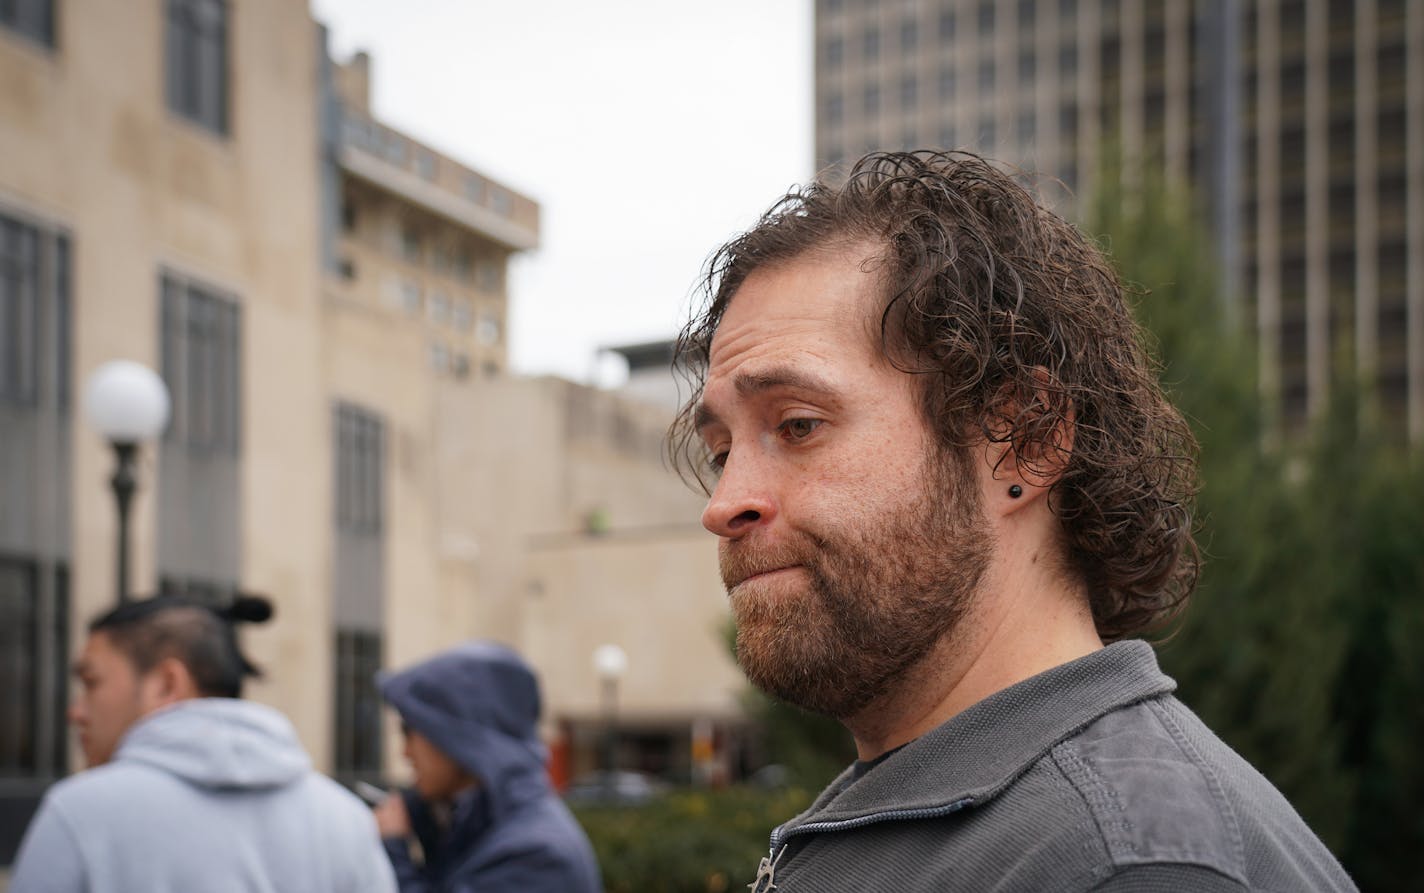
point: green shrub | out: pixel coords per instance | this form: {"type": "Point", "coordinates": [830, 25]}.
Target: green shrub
{"type": "Point", "coordinates": [693, 841]}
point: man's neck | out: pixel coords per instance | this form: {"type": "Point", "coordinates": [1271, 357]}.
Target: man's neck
{"type": "Point", "coordinates": [1021, 624]}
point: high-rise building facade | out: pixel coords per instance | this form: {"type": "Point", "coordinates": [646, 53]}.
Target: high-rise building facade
{"type": "Point", "coordinates": [1298, 124]}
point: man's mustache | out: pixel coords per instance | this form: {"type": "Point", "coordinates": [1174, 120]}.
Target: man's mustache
{"type": "Point", "coordinates": [740, 560]}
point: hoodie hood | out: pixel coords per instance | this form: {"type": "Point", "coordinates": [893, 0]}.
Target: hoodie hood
{"type": "Point", "coordinates": [218, 743]}
{"type": "Point", "coordinates": [479, 704]}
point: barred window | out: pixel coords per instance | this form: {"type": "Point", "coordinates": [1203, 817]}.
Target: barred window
{"type": "Point", "coordinates": [34, 286]}
{"type": "Point", "coordinates": [197, 63]}
{"type": "Point", "coordinates": [34, 667]}
{"type": "Point", "coordinates": [32, 18]}
{"type": "Point", "coordinates": [202, 365]}
{"type": "Point", "coordinates": [358, 704]}
{"type": "Point", "coordinates": [360, 470]}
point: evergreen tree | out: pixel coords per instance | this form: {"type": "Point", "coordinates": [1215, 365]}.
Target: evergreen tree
{"type": "Point", "coordinates": [1304, 644]}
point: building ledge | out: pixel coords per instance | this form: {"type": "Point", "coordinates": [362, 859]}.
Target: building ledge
{"type": "Point", "coordinates": [485, 221]}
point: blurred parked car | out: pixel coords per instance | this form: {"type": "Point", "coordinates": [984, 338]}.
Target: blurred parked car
{"type": "Point", "coordinates": [618, 788]}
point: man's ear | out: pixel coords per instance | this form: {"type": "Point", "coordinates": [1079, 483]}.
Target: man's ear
{"type": "Point", "coordinates": [1031, 439]}
{"type": "Point", "coordinates": [167, 683]}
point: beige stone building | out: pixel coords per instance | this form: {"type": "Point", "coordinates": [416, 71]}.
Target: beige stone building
{"type": "Point", "coordinates": [195, 185]}
{"type": "Point", "coordinates": [1299, 124]}
{"type": "Point", "coordinates": [158, 202]}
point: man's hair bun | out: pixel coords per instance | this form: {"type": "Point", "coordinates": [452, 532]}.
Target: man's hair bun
{"type": "Point", "coordinates": [248, 608]}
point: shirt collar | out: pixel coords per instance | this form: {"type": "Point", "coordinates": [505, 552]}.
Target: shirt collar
{"type": "Point", "coordinates": [977, 753]}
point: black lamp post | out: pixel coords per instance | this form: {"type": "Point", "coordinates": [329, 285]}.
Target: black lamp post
{"type": "Point", "coordinates": [127, 403]}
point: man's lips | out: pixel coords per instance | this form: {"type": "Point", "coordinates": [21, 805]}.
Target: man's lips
{"type": "Point", "coordinates": [759, 574]}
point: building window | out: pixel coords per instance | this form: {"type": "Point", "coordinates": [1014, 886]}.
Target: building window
{"type": "Point", "coordinates": [197, 70]}
{"type": "Point", "coordinates": [358, 704]}
{"type": "Point", "coordinates": [359, 441]}
{"type": "Point", "coordinates": [909, 35]}
{"type": "Point", "coordinates": [1027, 127]}
{"type": "Point", "coordinates": [407, 296]}
{"type": "Point", "coordinates": [32, 18]}
{"type": "Point", "coordinates": [425, 164]}
{"type": "Point", "coordinates": [489, 276]}
{"type": "Point", "coordinates": [462, 265]}
{"type": "Point", "coordinates": [1068, 59]}
{"type": "Point", "coordinates": [909, 92]}
{"type": "Point", "coordinates": [835, 52]}
{"type": "Point", "coordinates": [439, 358]}
{"type": "Point", "coordinates": [441, 260]}
{"type": "Point", "coordinates": [501, 202]}
{"type": "Point", "coordinates": [1068, 124]}
{"type": "Point", "coordinates": [34, 313]}
{"type": "Point", "coordinates": [946, 83]}
{"type": "Point", "coordinates": [348, 214]}
{"type": "Point", "coordinates": [410, 243]}
{"type": "Point", "coordinates": [1027, 8]}
{"type": "Point", "coordinates": [360, 471]}
{"type": "Point", "coordinates": [439, 308]}
{"type": "Point", "coordinates": [987, 133]}
{"type": "Point", "coordinates": [871, 100]}
{"type": "Point", "coordinates": [460, 366]}
{"type": "Point", "coordinates": [946, 137]}
{"type": "Point", "coordinates": [202, 365]}
{"type": "Point", "coordinates": [489, 330]}
{"type": "Point", "coordinates": [1027, 67]}
{"type": "Point", "coordinates": [393, 147]}
{"type": "Point", "coordinates": [986, 17]}
{"type": "Point", "coordinates": [986, 74]}
{"type": "Point", "coordinates": [835, 109]}
{"type": "Point", "coordinates": [870, 45]}
{"type": "Point", "coordinates": [33, 739]}
{"type": "Point", "coordinates": [475, 188]}
{"type": "Point", "coordinates": [463, 316]}
{"type": "Point", "coordinates": [946, 25]}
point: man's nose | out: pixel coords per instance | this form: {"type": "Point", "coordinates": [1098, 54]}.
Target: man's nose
{"type": "Point", "coordinates": [743, 498]}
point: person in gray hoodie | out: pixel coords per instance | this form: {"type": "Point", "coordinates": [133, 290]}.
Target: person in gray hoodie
{"type": "Point", "coordinates": [189, 787]}
{"type": "Point", "coordinates": [482, 807]}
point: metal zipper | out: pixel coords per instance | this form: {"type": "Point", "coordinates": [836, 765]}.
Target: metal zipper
{"type": "Point", "coordinates": [767, 869]}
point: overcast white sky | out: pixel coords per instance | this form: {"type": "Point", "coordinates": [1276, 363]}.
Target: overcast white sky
{"type": "Point", "coordinates": [648, 130]}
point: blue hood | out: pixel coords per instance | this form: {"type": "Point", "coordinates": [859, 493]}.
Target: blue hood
{"type": "Point", "coordinates": [479, 703]}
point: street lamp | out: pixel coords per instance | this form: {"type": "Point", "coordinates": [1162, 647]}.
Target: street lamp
{"type": "Point", "coordinates": [127, 403]}
{"type": "Point", "coordinates": [610, 662]}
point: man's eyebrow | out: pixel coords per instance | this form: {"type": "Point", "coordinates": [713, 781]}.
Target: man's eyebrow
{"type": "Point", "coordinates": [703, 416]}
{"type": "Point", "coordinates": [751, 383]}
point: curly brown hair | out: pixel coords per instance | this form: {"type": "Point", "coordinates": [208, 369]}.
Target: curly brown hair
{"type": "Point", "coordinates": [1020, 334]}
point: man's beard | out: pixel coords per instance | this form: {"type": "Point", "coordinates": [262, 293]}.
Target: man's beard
{"type": "Point", "coordinates": [881, 595]}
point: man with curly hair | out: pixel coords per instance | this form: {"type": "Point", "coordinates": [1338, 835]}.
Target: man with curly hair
{"type": "Point", "coordinates": [949, 492]}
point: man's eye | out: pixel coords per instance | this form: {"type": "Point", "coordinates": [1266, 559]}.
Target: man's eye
{"type": "Point", "coordinates": [796, 429]}
{"type": "Point", "coordinates": [717, 460]}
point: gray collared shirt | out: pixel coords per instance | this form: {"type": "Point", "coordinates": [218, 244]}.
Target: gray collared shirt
{"type": "Point", "coordinates": [1090, 776]}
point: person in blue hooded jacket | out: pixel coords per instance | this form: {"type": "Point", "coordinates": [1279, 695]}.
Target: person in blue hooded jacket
{"type": "Point", "coordinates": [481, 806]}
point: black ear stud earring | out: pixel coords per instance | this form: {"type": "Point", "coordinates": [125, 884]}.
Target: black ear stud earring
{"type": "Point", "coordinates": [1015, 491]}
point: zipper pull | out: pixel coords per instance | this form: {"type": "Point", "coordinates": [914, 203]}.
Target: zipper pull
{"type": "Point", "coordinates": [766, 873]}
